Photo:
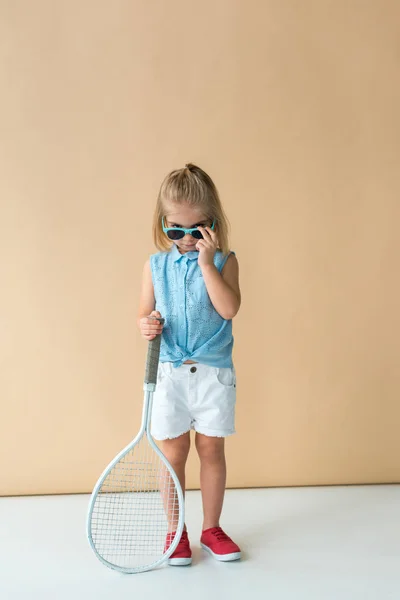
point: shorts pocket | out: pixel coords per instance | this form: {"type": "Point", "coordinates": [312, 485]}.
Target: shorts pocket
{"type": "Point", "coordinates": [164, 371]}
{"type": "Point", "coordinates": [226, 376]}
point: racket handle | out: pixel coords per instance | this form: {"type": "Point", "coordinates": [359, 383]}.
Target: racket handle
{"type": "Point", "coordinates": [153, 356]}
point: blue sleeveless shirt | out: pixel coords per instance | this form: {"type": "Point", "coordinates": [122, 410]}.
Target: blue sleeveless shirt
{"type": "Point", "coordinates": [193, 329]}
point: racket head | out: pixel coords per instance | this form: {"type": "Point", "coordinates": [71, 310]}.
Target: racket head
{"type": "Point", "coordinates": [131, 508]}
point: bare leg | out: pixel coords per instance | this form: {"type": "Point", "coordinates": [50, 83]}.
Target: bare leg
{"type": "Point", "coordinates": [211, 451]}
{"type": "Point", "coordinates": [176, 451]}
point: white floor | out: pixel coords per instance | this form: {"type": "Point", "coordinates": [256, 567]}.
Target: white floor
{"type": "Point", "coordinates": [328, 543]}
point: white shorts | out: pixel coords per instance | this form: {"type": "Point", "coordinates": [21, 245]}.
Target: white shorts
{"type": "Point", "coordinates": [193, 396]}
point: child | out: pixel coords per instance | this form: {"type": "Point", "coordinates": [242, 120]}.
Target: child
{"type": "Point", "coordinates": [193, 283]}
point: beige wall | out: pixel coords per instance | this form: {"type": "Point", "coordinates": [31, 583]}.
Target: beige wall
{"type": "Point", "coordinates": [293, 108]}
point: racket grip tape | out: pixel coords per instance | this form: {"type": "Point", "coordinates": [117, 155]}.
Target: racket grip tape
{"type": "Point", "coordinates": [153, 356]}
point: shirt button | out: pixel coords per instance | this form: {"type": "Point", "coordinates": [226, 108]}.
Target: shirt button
{"type": "Point", "coordinates": [193, 370]}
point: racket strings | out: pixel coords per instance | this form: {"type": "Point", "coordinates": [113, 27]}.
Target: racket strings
{"type": "Point", "coordinates": [136, 506]}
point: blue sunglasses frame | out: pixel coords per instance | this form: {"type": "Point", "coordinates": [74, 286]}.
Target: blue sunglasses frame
{"type": "Point", "coordinates": [185, 231]}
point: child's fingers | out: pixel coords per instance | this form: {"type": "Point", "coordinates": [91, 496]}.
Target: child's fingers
{"type": "Point", "coordinates": [153, 316]}
{"type": "Point", "coordinates": [204, 232]}
{"type": "Point", "coordinates": [150, 327]}
{"type": "Point", "coordinates": [151, 332]}
{"type": "Point", "coordinates": [153, 329]}
{"type": "Point", "coordinates": [154, 333]}
{"type": "Point", "coordinates": [155, 313]}
{"type": "Point", "coordinates": [212, 234]}
{"type": "Point", "coordinates": [151, 323]}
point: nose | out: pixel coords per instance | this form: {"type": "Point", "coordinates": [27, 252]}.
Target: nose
{"type": "Point", "coordinates": [188, 240]}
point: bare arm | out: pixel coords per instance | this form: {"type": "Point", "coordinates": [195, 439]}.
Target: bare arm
{"type": "Point", "coordinates": [223, 288]}
{"type": "Point", "coordinates": [148, 328]}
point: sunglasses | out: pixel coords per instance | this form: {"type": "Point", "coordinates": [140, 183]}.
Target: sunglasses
{"type": "Point", "coordinates": [177, 233]}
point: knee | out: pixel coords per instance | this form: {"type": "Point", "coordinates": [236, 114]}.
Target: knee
{"type": "Point", "coordinates": [210, 449]}
{"type": "Point", "coordinates": [176, 450]}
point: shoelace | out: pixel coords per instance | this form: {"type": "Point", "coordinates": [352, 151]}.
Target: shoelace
{"type": "Point", "coordinates": [221, 535]}
{"type": "Point", "coordinates": [183, 541]}
{"type": "Point", "coordinates": [184, 538]}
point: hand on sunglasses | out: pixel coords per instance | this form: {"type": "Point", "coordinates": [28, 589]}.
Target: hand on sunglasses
{"type": "Point", "coordinates": [207, 246]}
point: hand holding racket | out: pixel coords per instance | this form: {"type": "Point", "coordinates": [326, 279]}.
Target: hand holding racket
{"type": "Point", "coordinates": [137, 500]}
{"type": "Point", "coordinates": [151, 326]}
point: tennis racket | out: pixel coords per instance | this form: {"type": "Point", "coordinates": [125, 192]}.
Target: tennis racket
{"type": "Point", "coordinates": [138, 499]}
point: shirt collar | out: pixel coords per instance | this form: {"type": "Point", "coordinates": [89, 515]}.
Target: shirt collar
{"type": "Point", "coordinates": [176, 255]}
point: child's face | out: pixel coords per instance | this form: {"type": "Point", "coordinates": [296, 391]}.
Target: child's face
{"type": "Point", "coordinates": [186, 216]}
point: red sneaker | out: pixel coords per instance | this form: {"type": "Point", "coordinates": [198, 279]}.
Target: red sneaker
{"type": "Point", "coordinates": [219, 545]}
{"type": "Point", "coordinates": [182, 554]}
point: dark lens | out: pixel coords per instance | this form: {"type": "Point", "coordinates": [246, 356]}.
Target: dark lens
{"type": "Point", "coordinates": [175, 234]}
{"type": "Point", "coordinates": [197, 234]}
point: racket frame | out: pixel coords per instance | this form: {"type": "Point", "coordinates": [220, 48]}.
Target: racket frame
{"type": "Point", "coordinates": [149, 388]}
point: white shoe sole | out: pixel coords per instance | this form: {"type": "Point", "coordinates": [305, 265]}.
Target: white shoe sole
{"type": "Point", "coordinates": [223, 557]}
{"type": "Point", "coordinates": [179, 562]}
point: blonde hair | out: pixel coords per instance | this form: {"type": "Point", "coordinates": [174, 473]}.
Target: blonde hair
{"type": "Point", "coordinates": [193, 186]}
